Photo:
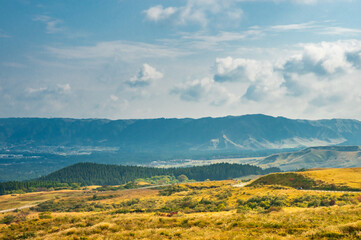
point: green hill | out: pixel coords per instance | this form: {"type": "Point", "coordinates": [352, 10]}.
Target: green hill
{"type": "Point", "coordinates": [103, 174]}
{"type": "Point", "coordinates": [347, 179]}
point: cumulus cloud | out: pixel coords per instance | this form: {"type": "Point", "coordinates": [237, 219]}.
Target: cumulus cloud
{"type": "Point", "coordinates": [239, 69]}
{"type": "Point", "coordinates": [145, 76]}
{"type": "Point", "coordinates": [262, 80]}
{"type": "Point", "coordinates": [205, 89]}
{"type": "Point", "coordinates": [321, 74]}
{"type": "Point", "coordinates": [158, 13]}
{"type": "Point", "coordinates": [325, 58]}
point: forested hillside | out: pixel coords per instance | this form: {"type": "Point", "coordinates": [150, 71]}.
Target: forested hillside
{"type": "Point", "coordinates": [101, 174]}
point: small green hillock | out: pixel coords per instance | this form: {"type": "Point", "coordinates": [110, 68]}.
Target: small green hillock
{"type": "Point", "coordinates": [299, 181]}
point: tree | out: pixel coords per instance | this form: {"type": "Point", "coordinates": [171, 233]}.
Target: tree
{"type": "Point", "coordinates": [182, 178]}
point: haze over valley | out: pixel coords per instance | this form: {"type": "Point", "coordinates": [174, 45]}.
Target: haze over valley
{"type": "Point", "coordinates": [31, 147]}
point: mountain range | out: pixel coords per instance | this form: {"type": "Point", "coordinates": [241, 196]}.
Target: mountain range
{"type": "Point", "coordinates": [34, 147]}
{"type": "Point", "coordinates": [315, 157]}
{"type": "Point", "coordinates": [248, 132]}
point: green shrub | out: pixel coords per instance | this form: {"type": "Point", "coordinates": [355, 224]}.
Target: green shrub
{"type": "Point", "coordinates": [8, 219]}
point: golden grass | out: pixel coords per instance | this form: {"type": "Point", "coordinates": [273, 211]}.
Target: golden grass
{"type": "Point", "coordinates": [337, 222]}
{"type": "Point", "coordinates": [350, 177]}
{"type": "Point", "coordinates": [321, 223]}
{"type": "Point", "coordinates": [10, 201]}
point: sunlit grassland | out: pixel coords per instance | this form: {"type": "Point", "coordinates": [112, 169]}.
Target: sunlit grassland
{"type": "Point", "coordinates": [320, 223]}
{"type": "Point", "coordinates": [341, 179]}
{"type": "Point", "coordinates": [350, 177]}
{"type": "Point", "coordinates": [18, 200]}
{"type": "Point", "coordinates": [206, 210]}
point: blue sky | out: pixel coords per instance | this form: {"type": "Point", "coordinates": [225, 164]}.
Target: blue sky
{"type": "Point", "coordinates": [180, 58]}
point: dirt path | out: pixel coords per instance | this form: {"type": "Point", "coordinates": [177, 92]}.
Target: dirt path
{"type": "Point", "coordinates": [34, 205]}
{"type": "Point", "coordinates": [19, 208]}
{"type": "Point", "coordinates": [240, 184]}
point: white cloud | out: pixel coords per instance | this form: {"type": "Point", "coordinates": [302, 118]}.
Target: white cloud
{"type": "Point", "coordinates": [126, 51]}
{"type": "Point", "coordinates": [65, 88]}
{"type": "Point", "coordinates": [320, 74]}
{"type": "Point", "coordinates": [307, 2]}
{"type": "Point", "coordinates": [239, 69]}
{"type": "Point", "coordinates": [324, 58]}
{"type": "Point", "coordinates": [59, 89]}
{"type": "Point", "coordinates": [222, 36]}
{"type": "Point", "coordinates": [289, 27]}
{"type": "Point", "coordinates": [321, 28]}
{"type": "Point", "coordinates": [205, 89]}
{"type": "Point", "coordinates": [340, 31]}
{"type": "Point", "coordinates": [197, 11]}
{"type": "Point", "coordinates": [158, 13]}
{"type": "Point", "coordinates": [36, 90]}
{"type": "Point", "coordinates": [114, 98]}
{"type": "Point", "coordinates": [262, 81]}
{"type": "Point", "coordinates": [52, 24]}
{"type": "Point", "coordinates": [145, 76]}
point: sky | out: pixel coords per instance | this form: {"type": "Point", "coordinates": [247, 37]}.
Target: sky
{"type": "Point", "coordinates": [126, 59]}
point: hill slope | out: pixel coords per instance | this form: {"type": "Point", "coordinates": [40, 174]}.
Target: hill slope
{"type": "Point", "coordinates": [324, 179]}
{"type": "Point", "coordinates": [103, 174]}
{"type": "Point", "coordinates": [321, 157]}
{"type": "Point", "coordinates": [100, 174]}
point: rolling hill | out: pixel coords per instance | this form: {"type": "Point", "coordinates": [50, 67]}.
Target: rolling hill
{"type": "Point", "coordinates": [104, 174]}
{"type": "Point", "coordinates": [348, 179]}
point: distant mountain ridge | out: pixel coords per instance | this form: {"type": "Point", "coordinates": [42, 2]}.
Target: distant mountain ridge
{"type": "Point", "coordinates": [248, 132]}
{"type": "Point", "coordinates": [315, 157]}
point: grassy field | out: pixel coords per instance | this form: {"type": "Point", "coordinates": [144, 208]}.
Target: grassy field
{"type": "Point", "coordinates": [350, 177]}
{"type": "Point", "coordinates": [345, 179]}
{"type": "Point", "coordinates": [206, 210]}
{"type": "Point", "coordinates": [322, 223]}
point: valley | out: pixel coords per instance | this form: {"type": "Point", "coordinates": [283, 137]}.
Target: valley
{"type": "Point", "coordinates": [34, 147]}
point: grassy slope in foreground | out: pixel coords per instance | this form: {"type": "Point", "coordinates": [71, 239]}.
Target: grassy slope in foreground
{"type": "Point", "coordinates": [323, 179]}
{"type": "Point", "coordinates": [207, 210]}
